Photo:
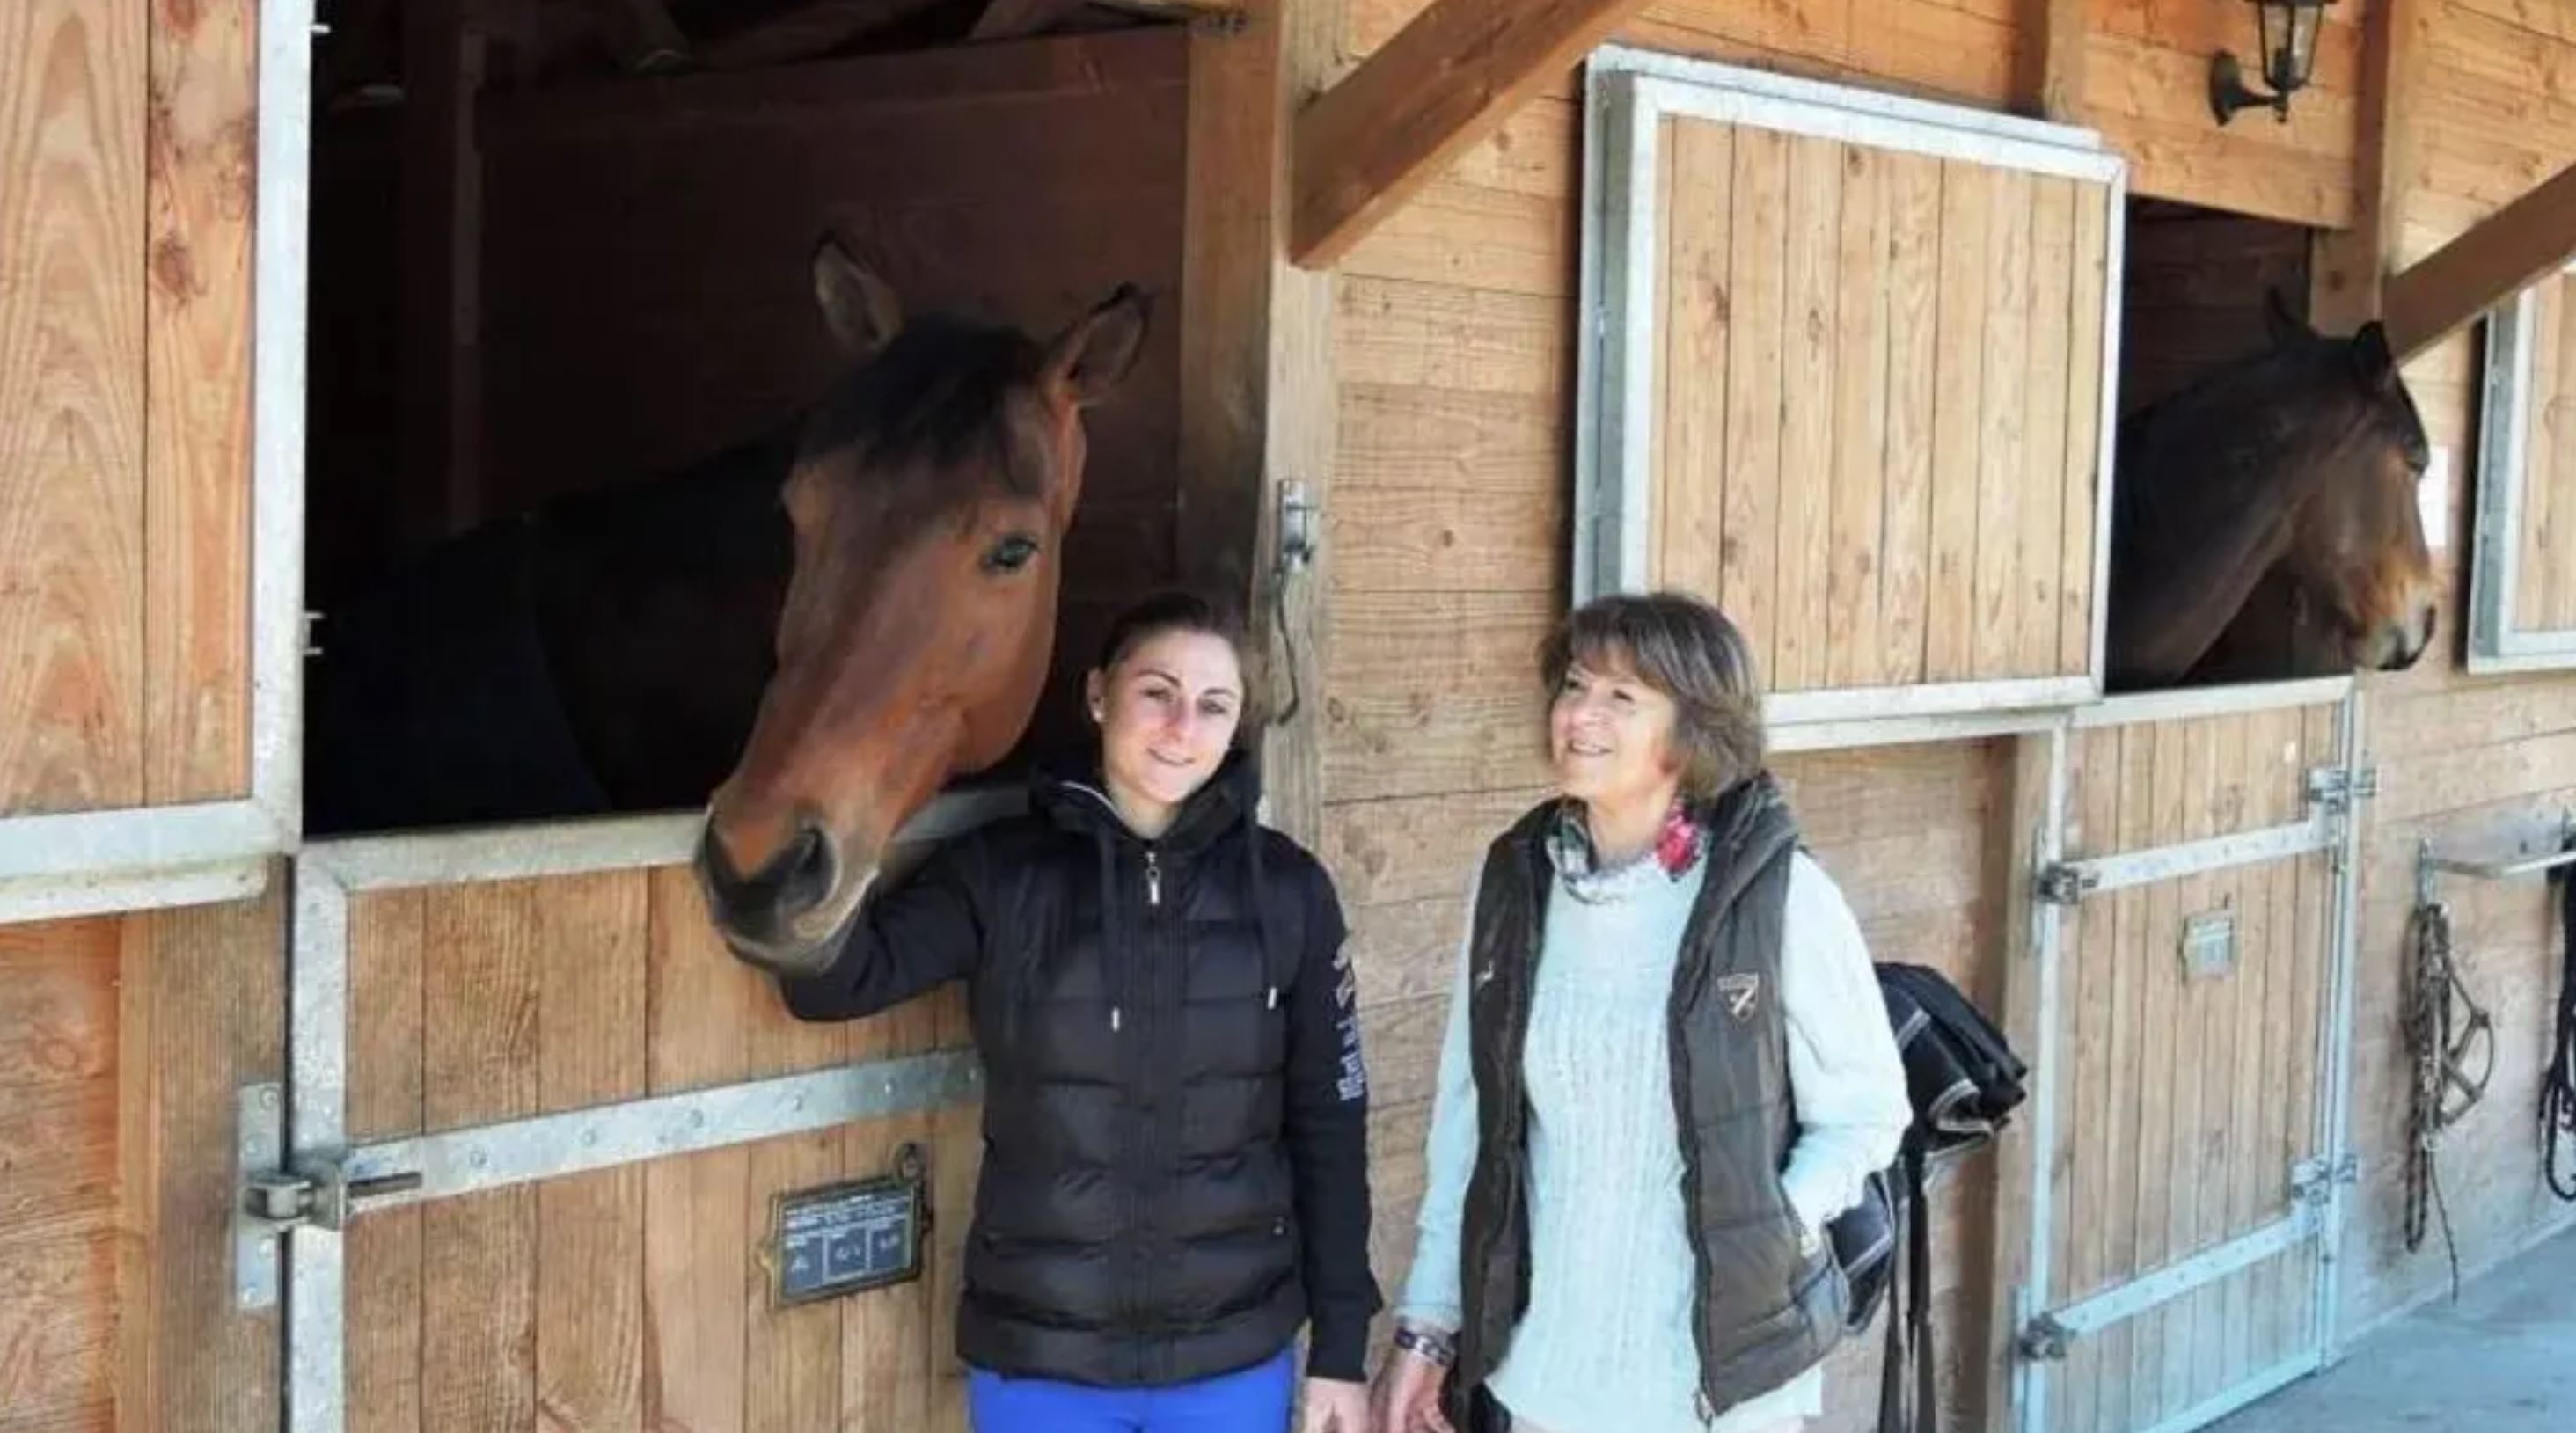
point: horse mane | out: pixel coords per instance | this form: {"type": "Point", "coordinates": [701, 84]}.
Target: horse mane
{"type": "Point", "coordinates": [2233, 411]}
{"type": "Point", "coordinates": [937, 399]}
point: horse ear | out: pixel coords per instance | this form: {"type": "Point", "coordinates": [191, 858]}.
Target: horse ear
{"type": "Point", "coordinates": [2283, 325]}
{"type": "Point", "coordinates": [2372, 358]}
{"type": "Point", "coordinates": [1092, 357]}
{"type": "Point", "coordinates": [860, 307]}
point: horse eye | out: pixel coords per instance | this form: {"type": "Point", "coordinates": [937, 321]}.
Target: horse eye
{"type": "Point", "coordinates": [1010, 554]}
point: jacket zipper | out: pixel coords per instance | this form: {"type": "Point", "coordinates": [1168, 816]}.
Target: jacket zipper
{"type": "Point", "coordinates": [1153, 879]}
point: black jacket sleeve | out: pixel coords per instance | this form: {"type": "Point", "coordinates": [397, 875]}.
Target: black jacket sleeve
{"type": "Point", "coordinates": [923, 930]}
{"type": "Point", "coordinates": [1327, 1127]}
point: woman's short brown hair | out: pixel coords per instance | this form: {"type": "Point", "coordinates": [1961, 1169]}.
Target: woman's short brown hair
{"type": "Point", "coordinates": [1689, 651]}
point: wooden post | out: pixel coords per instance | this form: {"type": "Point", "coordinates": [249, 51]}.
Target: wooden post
{"type": "Point", "coordinates": [442, 235]}
{"type": "Point", "coordinates": [2048, 63]}
{"type": "Point", "coordinates": [2351, 265]}
{"type": "Point", "coordinates": [1257, 399]}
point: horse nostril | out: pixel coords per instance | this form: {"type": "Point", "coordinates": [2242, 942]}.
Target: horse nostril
{"type": "Point", "coordinates": [807, 871]}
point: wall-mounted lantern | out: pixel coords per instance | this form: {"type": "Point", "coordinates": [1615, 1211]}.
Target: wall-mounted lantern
{"type": "Point", "coordinates": [2289, 33]}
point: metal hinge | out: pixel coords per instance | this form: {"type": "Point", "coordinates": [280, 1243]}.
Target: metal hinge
{"type": "Point", "coordinates": [2312, 1181]}
{"type": "Point", "coordinates": [2064, 883]}
{"type": "Point", "coordinates": [2044, 1340]}
{"type": "Point", "coordinates": [2336, 788]}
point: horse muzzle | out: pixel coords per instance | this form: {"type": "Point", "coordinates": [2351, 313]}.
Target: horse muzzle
{"type": "Point", "coordinates": [2403, 642]}
{"type": "Point", "coordinates": [788, 916]}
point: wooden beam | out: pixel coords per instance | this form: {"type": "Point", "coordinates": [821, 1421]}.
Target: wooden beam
{"type": "Point", "coordinates": [2524, 241]}
{"type": "Point", "coordinates": [1444, 83]}
{"type": "Point", "coordinates": [2352, 264]}
{"type": "Point", "coordinates": [1258, 401]}
{"type": "Point", "coordinates": [2048, 62]}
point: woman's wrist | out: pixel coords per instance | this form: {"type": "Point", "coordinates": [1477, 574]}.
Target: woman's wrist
{"type": "Point", "coordinates": [1425, 1342]}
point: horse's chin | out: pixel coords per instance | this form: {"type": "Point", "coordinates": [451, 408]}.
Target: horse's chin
{"type": "Point", "coordinates": [807, 943]}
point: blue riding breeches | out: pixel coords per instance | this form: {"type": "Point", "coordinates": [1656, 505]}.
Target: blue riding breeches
{"type": "Point", "coordinates": [1250, 1400]}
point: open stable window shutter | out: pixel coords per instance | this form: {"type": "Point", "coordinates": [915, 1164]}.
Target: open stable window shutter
{"type": "Point", "coordinates": [1845, 376]}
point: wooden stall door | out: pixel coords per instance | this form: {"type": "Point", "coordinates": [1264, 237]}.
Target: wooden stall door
{"type": "Point", "coordinates": [1861, 400]}
{"type": "Point", "coordinates": [633, 1297]}
{"type": "Point", "coordinates": [126, 179]}
{"type": "Point", "coordinates": [2191, 1074]}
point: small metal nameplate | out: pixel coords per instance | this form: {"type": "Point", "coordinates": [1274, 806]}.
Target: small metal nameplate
{"type": "Point", "coordinates": [845, 1238]}
{"type": "Point", "coordinates": [2209, 945]}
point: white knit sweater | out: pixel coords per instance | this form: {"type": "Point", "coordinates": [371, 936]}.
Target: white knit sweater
{"type": "Point", "coordinates": [1605, 1346]}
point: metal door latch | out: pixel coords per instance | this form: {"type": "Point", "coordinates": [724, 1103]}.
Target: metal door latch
{"type": "Point", "coordinates": [273, 1195]}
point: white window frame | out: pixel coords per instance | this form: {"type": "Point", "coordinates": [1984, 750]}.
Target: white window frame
{"type": "Point", "coordinates": [2505, 416]}
{"type": "Point", "coordinates": [1627, 95]}
{"type": "Point", "coordinates": [75, 863]}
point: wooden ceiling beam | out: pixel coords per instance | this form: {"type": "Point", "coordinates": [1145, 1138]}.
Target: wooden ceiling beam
{"type": "Point", "coordinates": [2524, 241]}
{"type": "Point", "coordinates": [2048, 62]}
{"type": "Point", "coordinates": [1443, 84]}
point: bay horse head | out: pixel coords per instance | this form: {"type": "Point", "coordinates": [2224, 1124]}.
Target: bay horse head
{"type": "Point", "coordinates": [929, 499]}
{"type": "Point", "coordinates": [2288, 477]}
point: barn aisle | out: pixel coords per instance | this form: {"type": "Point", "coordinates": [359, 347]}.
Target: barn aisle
{"type": "Point", "coordinates": [2503, 1360]}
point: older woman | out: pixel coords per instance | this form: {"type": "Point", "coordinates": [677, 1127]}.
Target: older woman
{"type": "Point", "coordinates": [1667, 1067]}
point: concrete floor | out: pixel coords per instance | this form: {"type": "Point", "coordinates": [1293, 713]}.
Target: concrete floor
{"type": "Point", "coordinates": [2503, 1360]}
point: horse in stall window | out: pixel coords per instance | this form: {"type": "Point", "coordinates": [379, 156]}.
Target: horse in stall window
{"type": "Point", "coordinates": [2265, 526]}
{"type": "Point", "coordinates": [868, 594]}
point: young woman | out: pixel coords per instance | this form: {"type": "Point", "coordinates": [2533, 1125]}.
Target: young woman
{"type": "Point", "coordinates": [1175, 1163]}
{"type": "Point", "coordinates": [1667, 1067]}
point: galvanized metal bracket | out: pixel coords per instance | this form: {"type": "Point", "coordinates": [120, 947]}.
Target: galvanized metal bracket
{"type": "Point", "coordinates": [259, 1147]}
{"type": "Point", "coordinates": [2337, 789]}
{"type": "Point", "coordinates": [1299, 528]}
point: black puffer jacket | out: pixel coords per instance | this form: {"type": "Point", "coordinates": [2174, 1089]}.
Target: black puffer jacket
{"type": "Point", "coordinates": [1175, 1120]}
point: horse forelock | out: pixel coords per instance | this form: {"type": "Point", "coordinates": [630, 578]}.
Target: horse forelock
{"type": "Point", "coordinates": [944, 399]}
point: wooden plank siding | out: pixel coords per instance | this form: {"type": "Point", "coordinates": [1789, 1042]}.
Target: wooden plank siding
{"type": "Point", "coordinates": [1780, 407]}
{"type": "Point", "coordinates": [633, 1298]}
{"type": "Point", "coordinates": [125, 319]}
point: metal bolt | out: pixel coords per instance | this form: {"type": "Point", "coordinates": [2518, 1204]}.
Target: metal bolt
{"type": "Point", "coordinates": [268, 1098]}
{"type": "Point", "coordinates": [590, 1137]}
{"type": "Point", "coordinates": [697, 1119]}
{"type": "Point", "coordinates": [479, 1159]}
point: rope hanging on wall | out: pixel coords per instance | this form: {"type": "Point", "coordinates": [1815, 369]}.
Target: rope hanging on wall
{"type": "Point", "coordinates": [2558, 1083]}
{"type": "Point", "coordinates": [2444, 1091]}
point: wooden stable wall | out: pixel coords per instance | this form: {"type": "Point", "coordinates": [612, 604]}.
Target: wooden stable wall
{"type": "Point", "coordinates": [122, 1040]}
{"type": "Point", "coordinates": [2194, 292]}
{"type": "Point", "coordinates": [2471, 763]}
{"type": "Point", "coordinates": [631, 1297]}
{"type": "Point", "coordinates": [125, 469]}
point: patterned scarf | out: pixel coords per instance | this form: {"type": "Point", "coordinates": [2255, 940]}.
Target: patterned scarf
{"type": "Point", "coordinates": [1680, 846]}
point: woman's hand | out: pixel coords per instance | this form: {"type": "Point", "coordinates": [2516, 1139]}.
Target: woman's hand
{"type": "Point", "coordinates": [1408, 1395]}
{"type": "Point", "coordinates": [1333, 1406]}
